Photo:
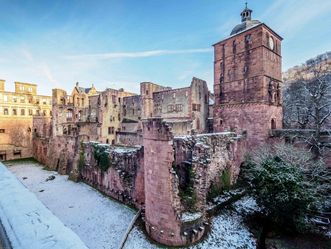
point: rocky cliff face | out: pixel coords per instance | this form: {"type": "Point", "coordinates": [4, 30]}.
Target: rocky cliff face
{"type": "Point", "coordinates": [296, 72]}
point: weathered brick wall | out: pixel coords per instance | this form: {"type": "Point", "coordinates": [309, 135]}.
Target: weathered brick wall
{"type": "Point", "coordinates": [242, 63]}
{"type": "Point", "coordinates": [129, 138]}
{"type": "Point", "coordinates": [208, 156]}
{"type": "Point", "coordinates": [146, 92]}
{"type": "Point", "coordinates": [123, 180]}
{"type": "Point", "coordinates": [58, 153]}
{"type": "Point", "coordinates": [173, 162]}
{"type": "Point", "coordinates": [15, 137]}
{"type": "Point", "coordinates": [199, 102]}
{"type": "Point", "coordinates": [132, 107]}
{"type": "Point", "coordinates": [247, 84]}
{"type": "Point", "coordinates": [254, 120]}
{"type": "Point", "coordinates": [173, 103]}
{"type": "Point", "coordinates": [161, 193]}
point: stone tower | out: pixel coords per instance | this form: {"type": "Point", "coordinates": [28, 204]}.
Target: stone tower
{"type": "Point", "coordinates": [248, 80]}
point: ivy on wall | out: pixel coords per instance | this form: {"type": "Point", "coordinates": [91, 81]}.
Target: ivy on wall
{"type": "Point", "coordinates": [186, 193]}
{"type": "Point", "coordinates": [101, 156]}
{"type": "Point", "coordinates": [81, 162]}
{"type": "Point", "coordinates": [221, 184]}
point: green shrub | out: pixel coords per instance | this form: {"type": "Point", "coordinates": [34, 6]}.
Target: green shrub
{"type": "Point", "coordinates": [224, 184]}
{"type": "Point", "coordinates": [187, 193]}
{"type": "Point", "coordinates": [280, 189]}
{"type": "Point", "coordinates": [225, 179]}
{"type": "Point", "coordinates": [102, 157]}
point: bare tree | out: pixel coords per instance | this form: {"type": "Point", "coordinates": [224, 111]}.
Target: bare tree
{"type": "Point", "coordinates": [307, 100]}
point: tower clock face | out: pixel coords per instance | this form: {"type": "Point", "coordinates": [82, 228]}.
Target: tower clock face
{"type": "Point", "coordinates": [271, 43]}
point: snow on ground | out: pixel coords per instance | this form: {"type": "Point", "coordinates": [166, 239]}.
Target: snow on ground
{"type": "Point", "coordinates": [99, 221]}
{"type": "Point", "coordinates": [28, 224]}
{"type": "Point", "coordinates": [228, 231]}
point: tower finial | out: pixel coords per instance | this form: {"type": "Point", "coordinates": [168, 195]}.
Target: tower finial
{"type": "Point", "coordinates": [246, 14]}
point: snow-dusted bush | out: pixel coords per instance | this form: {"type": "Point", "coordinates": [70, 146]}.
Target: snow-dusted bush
{"type": "Point", "coordinates": [287, 183]}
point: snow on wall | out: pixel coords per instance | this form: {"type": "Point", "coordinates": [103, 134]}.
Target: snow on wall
{"type": "Point", "coordinates": [123, 180]}
{"type": "Point", "coordinates": [28, 223]}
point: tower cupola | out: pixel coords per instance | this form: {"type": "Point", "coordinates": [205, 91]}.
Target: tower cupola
{"type": "Point", "coordinates": [246, 14]}
{"type": "Point", "coordinates": [246, 21]}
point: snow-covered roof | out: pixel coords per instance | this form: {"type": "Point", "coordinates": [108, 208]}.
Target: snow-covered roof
{"type": "Point", "coordinates": [27, 222]}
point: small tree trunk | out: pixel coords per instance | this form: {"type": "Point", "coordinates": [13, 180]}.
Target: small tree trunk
{"type": "Point", "coordinates": [263, 236]}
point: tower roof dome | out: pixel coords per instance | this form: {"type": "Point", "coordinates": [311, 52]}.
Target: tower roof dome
{"type": "Point", "coordinates": [246, 21]}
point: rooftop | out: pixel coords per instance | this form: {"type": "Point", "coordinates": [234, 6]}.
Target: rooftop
{"type": "Point", "coordinates": [246, 21]}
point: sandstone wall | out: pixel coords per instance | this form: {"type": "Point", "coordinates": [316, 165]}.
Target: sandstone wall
{"type": "Point", "coordinates": [162, 203]}
{"type": "Point", "coordinates": [123, 179]}
{"type": "Point", "coordinates": [129, 138]}
{"type": "Point", "coordinates": [179, 172]}
{"type": "Point", "coordinates": [254, 120]}
{"type": "Point", "coordinates": [58, 153]}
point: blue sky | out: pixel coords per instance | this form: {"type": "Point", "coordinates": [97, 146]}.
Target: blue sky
{"type": "Point", "coordinates": [56, 43]}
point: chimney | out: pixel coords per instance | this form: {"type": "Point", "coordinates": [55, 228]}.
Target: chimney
{"type": "Point", "coordinates": [2, 85]}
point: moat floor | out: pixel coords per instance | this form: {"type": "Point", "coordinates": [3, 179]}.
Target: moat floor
{"type": "Point", "coordinates": [100, 222]}
{"type": "Point", "coordinates": [97, 220]}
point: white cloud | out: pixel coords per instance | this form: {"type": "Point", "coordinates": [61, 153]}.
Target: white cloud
{"type": "Point", "coordinates": [289, 17]}
{"type": "Point", "coordinates": [150, 53]}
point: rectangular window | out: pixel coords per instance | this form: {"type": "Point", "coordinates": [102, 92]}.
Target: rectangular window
{"type": "Point", "coordinates": [2, 130]}
{"type": "Point", "coordinates": [22, 112]}
{"type": "Point", "coordinates": [111, 130]}
{"type": "Point", "coordinates": [179, 107]}
{"type": "Point", "coordinates": [14, 99]}
{"type": "Point", "coordinates": [14, 112]}
{"type": "Point", "coordinates": [22, 100]}
{"type": "Point", "coordinates": [5, 111]}
{"type": "Point", "coordinates": [170, 108]}
{"type": "Point", "coordinates": [196, 107]}
{"type": "Point", "coordinates": [5, 98]}
{"type": "Point", "coordinates": [30, 112]}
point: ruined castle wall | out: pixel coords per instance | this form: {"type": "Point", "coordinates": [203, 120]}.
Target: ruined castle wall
{"type": "Point", "coordinates": [15, 138]}
{"type": "Point", "coordinates": [57, 153]}
{"type": "Point", "coordinates": [200, 102]}
{"type": "Point", "coordinates": [163, 206]}
{"type": "Point", "coordinates": [181, 127]}
{"type": "Point", "coordinates": [208, 156]}
{"type": "Point", "coordinates": [132, 108]}
{"type": "Point", "coordinates": [129, 138]}
{"type": "Point", "coordinates": [124, 178]}
{"type": "Point", "coordinates": [173, 103]}
{"type": "Point", "coordinates": [146, 92]}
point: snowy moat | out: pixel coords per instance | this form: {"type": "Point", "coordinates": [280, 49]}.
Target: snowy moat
{"type": "Point", "coordinates": [101, 222]}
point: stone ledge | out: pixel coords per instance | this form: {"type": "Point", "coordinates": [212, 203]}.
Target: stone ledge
{"type": "Point", "coordinates": [27, 222]}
